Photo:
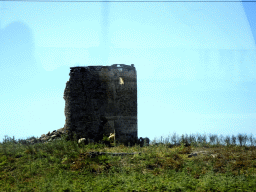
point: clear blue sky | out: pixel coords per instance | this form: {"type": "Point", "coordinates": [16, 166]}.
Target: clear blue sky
{"type": "Point", "coordinates": [195, 63]}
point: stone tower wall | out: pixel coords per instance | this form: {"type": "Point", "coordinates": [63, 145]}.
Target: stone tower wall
{"type": "Point", "coordinates": [102, 100]}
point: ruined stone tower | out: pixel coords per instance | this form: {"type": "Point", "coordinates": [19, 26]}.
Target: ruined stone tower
{"type": "Point", "coordinates": [102, 100]}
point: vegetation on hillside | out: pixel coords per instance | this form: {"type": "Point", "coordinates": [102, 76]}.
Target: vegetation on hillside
{"type": "Point", "coordinates": [65, 166]}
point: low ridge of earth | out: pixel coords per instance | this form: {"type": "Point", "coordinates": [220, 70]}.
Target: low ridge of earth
{"type": "Point", "coordinates": [202, 152]}
{"type": "Point", "coordinates": [189, 154]}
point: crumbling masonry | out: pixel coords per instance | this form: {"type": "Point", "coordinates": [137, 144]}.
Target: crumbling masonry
{"type": "Point", "coordinates": [102, 100]}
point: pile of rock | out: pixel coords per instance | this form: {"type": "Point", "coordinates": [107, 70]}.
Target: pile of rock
{"type": "Point", "coordinates": [141, 141]}
{"type": "Point", "coordinates": [45, 138]}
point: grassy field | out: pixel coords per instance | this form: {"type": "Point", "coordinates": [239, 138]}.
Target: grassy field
{"type": "Point", "coordinates": [64, 166]}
